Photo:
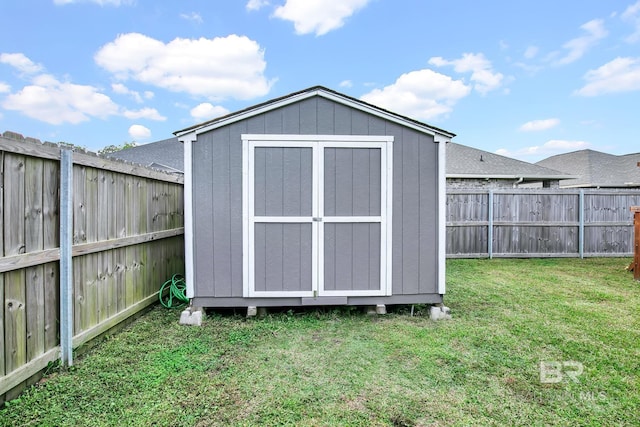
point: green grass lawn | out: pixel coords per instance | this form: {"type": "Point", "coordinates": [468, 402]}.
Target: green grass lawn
{"type": "Point", "coordinates": [337, 366]}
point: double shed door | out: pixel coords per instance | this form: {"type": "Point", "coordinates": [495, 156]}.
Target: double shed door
{"type": "Point", "coordinates": [317, 215]}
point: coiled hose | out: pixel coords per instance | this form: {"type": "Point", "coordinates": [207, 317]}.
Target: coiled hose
{"type": "Point", "coordinates": [177, 295]}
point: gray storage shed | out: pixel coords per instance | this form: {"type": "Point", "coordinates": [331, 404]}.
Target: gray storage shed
{"type": "Point", "coordinates": [314, 198]}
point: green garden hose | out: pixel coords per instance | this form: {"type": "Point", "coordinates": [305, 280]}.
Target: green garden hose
{"type": "Point", "coordinates": [177, 295]}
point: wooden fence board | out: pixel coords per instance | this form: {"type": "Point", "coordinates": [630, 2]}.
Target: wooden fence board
{"type": "Point", "coordinates": [130, 169]}
{"type": "Point", "coordinates": [2, 297]}
{"type": "Point", "coordinates": [137, 250]}
{"type": "Point", "coordinates": [51, 305]}
{"type": "Point", "coordinates": [104, 189]}
{"type": "Point", "coordinates": [129, 251]}
{"type": "Point", "coordinates": [34, 241]}
{"type": "Point", "coordinates": [79, 236]}
{"type": "Point", "coordinates": [636, 241]}
{"type": "Point", "coordinates": [51, 239]}
{"type": "Point", "coordinates": [143, 228]}
{"type": "Point", "coordinates": [2, 330]}
{"type": "Point", "coordinates": [90, 261]}
{"type": "Point", "coordinates": [15, 327]}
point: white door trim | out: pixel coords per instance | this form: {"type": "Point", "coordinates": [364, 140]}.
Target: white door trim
{"type": "Point", "coordinates": [318, 143]}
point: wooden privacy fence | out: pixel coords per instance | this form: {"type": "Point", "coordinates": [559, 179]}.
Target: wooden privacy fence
{"type": "Point", "coordinates": [119, 228]}
{"type": "Point", "coordinates": [540, 223]}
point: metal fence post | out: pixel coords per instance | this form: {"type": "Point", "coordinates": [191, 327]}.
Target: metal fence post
{"type": "Point", "coordinates": [490, 225]}
{"type": "Point", "coordinates": [581, 229]}
{"type": "Point", "coordinates": [66, 260]}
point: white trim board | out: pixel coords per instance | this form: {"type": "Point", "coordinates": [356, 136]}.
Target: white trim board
{"type": "Point", "coordinates": [370, 109]}
{"type": "Point", "coordinates": [442, 217]}
{"type": "Point", "coordinates": [187, 141]}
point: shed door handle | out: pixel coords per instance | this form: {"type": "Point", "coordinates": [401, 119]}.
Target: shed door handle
{"type": "Point", "coordinates": [317, 219]}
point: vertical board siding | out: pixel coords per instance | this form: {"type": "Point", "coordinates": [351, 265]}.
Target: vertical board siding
{"type": "Point", "coordinates": [203, 215]}
{"type": "Point", "coordinates": [107, 205]}
{"type": "Point", "coordinates": [428, 223]}
{"type": "Point", "coordinates": [352, 182]}
{"type": "Point", "coordinates": [221, 186]}
{"type": "Point", "coordinates": [410, 212]}
{"type": "Point", "coordinates": [352, 256]}
{"type": "Point", "coordinates": [283, 257]}
{"type": "Point", "coordinates": [540, 222]}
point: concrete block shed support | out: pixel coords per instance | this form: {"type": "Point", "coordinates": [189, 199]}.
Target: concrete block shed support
{"type": "Point", "coordinates": [192, 316]}
{"type": "Point", "coordinates": [439, 312]}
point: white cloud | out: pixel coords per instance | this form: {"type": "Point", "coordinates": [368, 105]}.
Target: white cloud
{"type": "Point", "coordinates": [55, 102]}
{"type": "Point", "coordinates": [538, 125]}
{"type": "Point", "coordinates": [423, 94]}
{"type": "Point", "coordinates": [346, 83]}
{"type": "Point", "coordinates": [206, 111]}
{"type": "Point", "coordinates": [99, 2]}
{"type": "Point", "coordinates": [4, 88]}
{"type": "Point", "coordinates": [577, 47]}
{"type": "Point", "coordinates": [144, 113]}
{"type": "Point", "coordinates": [618, 75]}
{"type": "Point", "coordinates": [256, 4]}
{"type": "Point", "coordinates": [139, 132]}
{"type": "Point", "coordinates": [148, 94]}
{"type": "Point", "coordinates": [231, 66]}
{"type": "Point", "coordinates": [632, 15]}
{"type": "Point", "coordinates": [318, 16]}
{"type": "Point", "coordinates": [549, 148]}
{"type": "Point", "coordinates": [531, 52]}
{"type": "Point", "coordinates": [531, 69]}
{"type": "Point", "coordinates": [20, 62]}
{"type": "Point", "coordinates": [123, 90]}
{"type": "Point", "coordinates": [482, 74]}
{"type": "Point", "coordinates": [193, 17]}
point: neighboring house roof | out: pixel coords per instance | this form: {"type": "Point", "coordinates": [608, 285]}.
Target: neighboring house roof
{"type": "Point", "coordinates": [308, 93]}
{"type": "Point", "coordinates": [596, 169]}
{"type": "Point", "coordinates": [468, 162]}
{"type": "Point", "coordinates": [165, 155]}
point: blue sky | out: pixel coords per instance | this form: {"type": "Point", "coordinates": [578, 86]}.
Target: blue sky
{"type": "Point", "coordinates": [526, 79]}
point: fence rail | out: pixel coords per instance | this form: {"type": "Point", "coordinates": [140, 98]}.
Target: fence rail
{"type": "Point", "coordinates": [540, 223]}
{"type": "Point", "coordinates": [126, 233]}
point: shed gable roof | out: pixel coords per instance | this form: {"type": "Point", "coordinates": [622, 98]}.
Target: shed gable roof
{"type": "Point", "coordinates": [308, 93]}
